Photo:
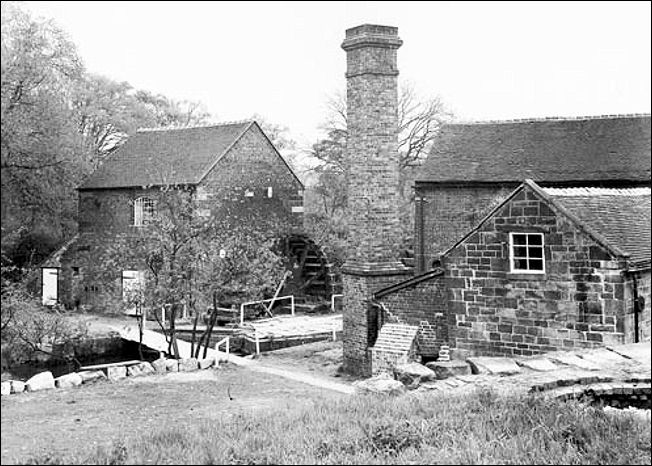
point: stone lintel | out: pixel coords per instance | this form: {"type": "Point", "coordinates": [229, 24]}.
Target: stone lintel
{"type": "Point", "coordinates": [375, 268]}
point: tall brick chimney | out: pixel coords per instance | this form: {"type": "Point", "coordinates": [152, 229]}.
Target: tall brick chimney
{"type": "Point", "coordinates": [373, 176]}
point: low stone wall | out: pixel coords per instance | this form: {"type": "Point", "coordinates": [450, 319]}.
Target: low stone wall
{"type": "Point", "coordinates": [45, 380]}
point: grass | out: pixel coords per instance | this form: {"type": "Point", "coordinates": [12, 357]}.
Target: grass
{"type": "Point", "coordinates": [417, 428]}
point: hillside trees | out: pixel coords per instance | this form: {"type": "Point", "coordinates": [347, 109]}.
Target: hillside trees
{"type": "Point", "coordinates": [58, 123]}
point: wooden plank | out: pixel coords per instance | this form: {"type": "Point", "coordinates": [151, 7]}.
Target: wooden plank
{"type": "Point", "coordinates": [112, 364]}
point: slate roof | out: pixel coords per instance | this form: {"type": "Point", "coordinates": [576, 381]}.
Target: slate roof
{"type": "Point", "coordinates": [612, 147]}
{"type": "Point", "coordinates": [621, 216]}
{"type": "Point", "coordinates": [165, 156]}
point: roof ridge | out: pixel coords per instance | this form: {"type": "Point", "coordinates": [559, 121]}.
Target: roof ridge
{"type": "Point", "coordinates": [550, 118]}
{"type": "Point", "coordinates": [205, 125]}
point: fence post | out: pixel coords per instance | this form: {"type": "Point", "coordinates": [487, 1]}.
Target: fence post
{"type": "Point", "coordinates": [163, 315]}
{"type": "Point", "coordinates": [292, 304]}
{"type": "Point", "coordinates": [334, 332]}
{"type": "Point", "coordinates": [242, 314]}
{"type": "Point", "coordinates": [257, 343]}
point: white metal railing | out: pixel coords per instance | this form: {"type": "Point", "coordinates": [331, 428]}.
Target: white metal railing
{"type": "Point", "coordinates": [333, 300]}
{"type": "Point", "coordinates": [226, 342]}
{"type": "Point", "coordinates": [242, 306]}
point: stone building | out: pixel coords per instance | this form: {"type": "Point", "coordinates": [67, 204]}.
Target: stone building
{"type": "Point", "coordinates": [531, 235]}
{"type": "Point", "coordinates": [546, 269]}
{"type": "Point", "coordinates": [231, 171]}
{"type": "Point", "coordinates": [474, 166]}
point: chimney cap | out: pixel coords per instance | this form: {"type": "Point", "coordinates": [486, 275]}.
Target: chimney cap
{"type": "Point", "coordinates": [372, 35]}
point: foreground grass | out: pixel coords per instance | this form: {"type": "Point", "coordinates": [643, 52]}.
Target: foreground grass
{"type": "Point", "coordinates": [412, 429]}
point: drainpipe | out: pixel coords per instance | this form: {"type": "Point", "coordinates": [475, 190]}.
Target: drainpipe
{"type": "Point", "coordinates": [637, 307]}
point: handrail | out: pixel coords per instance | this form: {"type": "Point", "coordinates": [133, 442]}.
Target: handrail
{"type": "Point", "coordinates": [242, 306]}
{"type": "Point", "coordinates": [333, 300]}
{"type": "Point", "coordinates": [226, 342]}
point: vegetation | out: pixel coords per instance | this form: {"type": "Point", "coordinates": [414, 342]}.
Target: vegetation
{"type": "Point", "coordinates": [413, 429]}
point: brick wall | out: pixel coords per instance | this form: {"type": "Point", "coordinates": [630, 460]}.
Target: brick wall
{"type": "Point", "coordinates": [424, 305]}
{"type": "Point", "coordinates": [448, 212]}
{"type": "Point", "coordinates": [578, 302]}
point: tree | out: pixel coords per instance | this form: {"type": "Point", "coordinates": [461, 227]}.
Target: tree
{"type": "Point", "coordinates": [193, 260]}
{"type": "Point", "coordinates": [39, 141]}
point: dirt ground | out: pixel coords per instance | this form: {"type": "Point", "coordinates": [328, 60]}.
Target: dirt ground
{"type": "Point", "coordinates": [77, 420]}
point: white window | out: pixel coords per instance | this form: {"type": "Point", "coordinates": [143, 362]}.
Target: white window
{"type": "Point", "coordinates": [249, 193]}
{"type": "Point", "coordinates": [144, 209]}
{"type": "Point", "coordinates": [132, 286]}
{"type": "Point", "coordinates": [526, 252]}
{"type": "Point", "coordinates": [270, 191]}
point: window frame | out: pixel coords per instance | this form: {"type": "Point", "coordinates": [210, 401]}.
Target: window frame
{"type": "Point", "coordinates": [140, 219]}
{"type": "Point", "coordinates": [512, 255]}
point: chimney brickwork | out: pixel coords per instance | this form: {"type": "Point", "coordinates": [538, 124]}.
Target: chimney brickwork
{"type": "Point", "coordinates": [372, 181]}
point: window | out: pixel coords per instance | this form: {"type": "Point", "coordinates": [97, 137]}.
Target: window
{"type": "Point", "coordinates": [270, 191]}
{"type": "Point", "coordinates": [75, 271]}
{"type": "Point", "coordinates": [144, 209]}
{"type": "Point", "coordinates": [526, 252]}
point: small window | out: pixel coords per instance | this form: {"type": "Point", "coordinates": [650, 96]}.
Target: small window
{"type": "Point", "coordinates": [249, 193]}
{"type": "Point", "coordinates": [270, 191]}
{"type": "Point", "coordinates": [75, 271]}
{"type": "Point", "coordinates": [526, 252]}
{"type": "Point", "coordinates": [144, 209]}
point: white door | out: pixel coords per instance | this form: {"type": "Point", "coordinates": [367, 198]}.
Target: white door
{"type": "Point", "coordinates": [132, 281]}
{"type": "Point", "coordinates": [50, 280]}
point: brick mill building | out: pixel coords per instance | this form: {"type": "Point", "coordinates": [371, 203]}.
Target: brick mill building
{"type": "Point", "coordinates": [231, 170]}
{"type": "Point", "coordinates": [531, 235]}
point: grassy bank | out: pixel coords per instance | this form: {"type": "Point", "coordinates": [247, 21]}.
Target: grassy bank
{"type": "Point", "coordinates": [415, 428]}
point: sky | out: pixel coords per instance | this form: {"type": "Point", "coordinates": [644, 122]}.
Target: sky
{"type": "Point", "coordinates": [282, 60]}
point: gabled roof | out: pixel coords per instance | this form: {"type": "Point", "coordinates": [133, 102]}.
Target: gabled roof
{"type": "Point", "coordinates": [154, 157]}
{"type": "Point", "coordinates": [617, 219]}
{"type": "Point", "coordinates": [621, 216]}
{"type": "Point", "coordinates": [604, 148]}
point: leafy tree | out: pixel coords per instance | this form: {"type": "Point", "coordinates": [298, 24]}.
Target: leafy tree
{"type": "Point", "coordinates": [194, 260]}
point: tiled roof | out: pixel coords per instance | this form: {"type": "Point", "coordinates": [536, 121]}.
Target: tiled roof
{"type": "Point", "coordinates": [621, 216]}
{"type": "Point", "coordinates": [165, 156]}
{"type": "Point", "coordinates": [610, 147]}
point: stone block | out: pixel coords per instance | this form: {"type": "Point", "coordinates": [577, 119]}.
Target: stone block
{"type": "Point", "coordinates": [146, 368]}
{"type": "Point", "coordinates": [159, 365]}
{"type": "Point", "coordinates": [572, 360]}
{"type": "Point", "coordinates": [68, 380]}
{"type": "Point", "coordinates": [412, 374]}
{"type": "Point", "coordinates": [496, 366]}
{"type": "Point", "coordinates": [5, 388]}
{"type": "Point", "coordinates": [91, 376]}
{"type": "Point", "coordinates": [172, 365]}
{"type": "Point", "coordinates": [446, 369]}
{"type": "Point", "coordinates": [134, 371]}
{"type": "Point", "coordinates": [116, 373]}
{"type": "Point", "coordinates": [537, 364]}
{"type": "Point", "coordinates": [17, 386]}
{"type": "Point", "coordinates": [41, 381]}
{"type": "Point", "coordinates": [382, 383]}
{"type": "Point", "coordinates": [206, 363]}
{"type": "Point", "coordinates": [188, 364]}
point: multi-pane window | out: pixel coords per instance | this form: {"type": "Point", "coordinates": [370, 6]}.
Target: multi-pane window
{"type": "Point", "coordinates": [526, 252]}
{"type": "Point", "coordinates": [144, 209]}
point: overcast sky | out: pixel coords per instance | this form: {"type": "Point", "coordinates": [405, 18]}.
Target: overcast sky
{"type": "Point", "coordinates": [282, 59]}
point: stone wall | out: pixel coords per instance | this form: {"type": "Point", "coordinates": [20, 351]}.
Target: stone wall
{"type": "Point", "coordinates": [640, 281]}
{"type": "Point", "coordinates": [445, 213]}
{"type": "Point", "coordinates": [578, 301]}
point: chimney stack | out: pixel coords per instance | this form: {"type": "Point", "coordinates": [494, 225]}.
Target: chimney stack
{"type": "Point", "coordinates": [372, 181]}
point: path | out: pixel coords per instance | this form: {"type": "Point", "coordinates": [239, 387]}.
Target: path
{"type": "Point", "coordinates": [157, 342]}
